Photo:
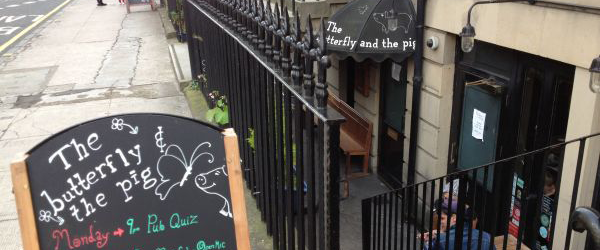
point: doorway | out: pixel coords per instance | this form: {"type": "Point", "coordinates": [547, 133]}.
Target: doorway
{"type": "Point", "coordinates": [391, 129]}
{"type": "Point", "coordinates": [525, 107]}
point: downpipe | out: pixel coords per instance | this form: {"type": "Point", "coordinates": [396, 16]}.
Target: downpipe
{"type": "Point", "coordinates": [416, 99]}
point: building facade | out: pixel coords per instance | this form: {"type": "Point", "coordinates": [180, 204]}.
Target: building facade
{"type": "Point", "coordinates": [526, 80]}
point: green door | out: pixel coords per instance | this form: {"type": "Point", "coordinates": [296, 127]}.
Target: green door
{"type": "Point", "coordinates": [479, 128]}
{"type": "Point", "coordinates": [391, 135]}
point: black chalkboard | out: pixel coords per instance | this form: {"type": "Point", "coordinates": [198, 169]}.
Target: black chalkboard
{"type": "Point", "coordinates": [133, 182]}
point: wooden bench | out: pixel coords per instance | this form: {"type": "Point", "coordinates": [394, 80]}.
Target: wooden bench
{"type": "Point", "coordinates": [355, 138]}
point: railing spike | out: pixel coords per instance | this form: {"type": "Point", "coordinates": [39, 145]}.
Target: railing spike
{"type": "Point", "coordinates": [286, 21]}
{"type": "Point", "coordinates": [323, 63]}
{"type": "Point", "coordinates": [277, 21]}
{"type": "Point", "coordinates": [309, 34]}
{"type": "Point", "coordinates": [298, 32]}
{"type": "Point", "coordinates": [322, 41]}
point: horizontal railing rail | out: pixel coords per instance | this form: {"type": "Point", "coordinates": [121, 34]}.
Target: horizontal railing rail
{"type": "Point", "coordinates": [468, 209]}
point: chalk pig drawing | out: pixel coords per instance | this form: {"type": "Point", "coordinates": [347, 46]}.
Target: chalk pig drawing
{"type": "Point", "coordinates": [209, 181]}
{"type": "Point", "coordinates": [391, 21]}
{"type": "Point", "coordinates": [175, 169]}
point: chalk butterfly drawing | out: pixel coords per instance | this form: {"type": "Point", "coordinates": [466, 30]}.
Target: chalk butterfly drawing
{"type": "Point", "coordinates": [391, 21]}
{"type": "Point", "coordinates": [175, 169]}
{"type": "Point", "coordinates": [206, 182]}
{"type": "Point", "coordinates": [363, 9]}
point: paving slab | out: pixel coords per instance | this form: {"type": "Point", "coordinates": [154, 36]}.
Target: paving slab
{"type": "Point", "coordinates": [39, 121]}
{"type": "Point", "coordinates": [170, 105]}
{"type": "Point", "coordinates": [24, 81]}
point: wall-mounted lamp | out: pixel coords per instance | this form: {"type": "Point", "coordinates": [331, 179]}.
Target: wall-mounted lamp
{"type": "Point", "coordinates": [595, 75]}
{"type": "Point", "coordinates": [467, 36]}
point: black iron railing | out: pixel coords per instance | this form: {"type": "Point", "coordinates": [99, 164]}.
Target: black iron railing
{"type": "Point", "coordinates": [485, 210]}
{"type": "Point", "coordinates": [288, 136]}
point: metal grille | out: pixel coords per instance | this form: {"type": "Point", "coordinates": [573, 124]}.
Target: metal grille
{"type": "Point", "coordinates": [264, 65]}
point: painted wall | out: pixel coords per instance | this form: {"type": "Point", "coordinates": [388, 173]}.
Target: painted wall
{"type": "Point", "coordinates": [566, 36]}
{"type": "Point", "coordinates": [436, 107]}
{"type": "Point", "coordinates": [584, 119]}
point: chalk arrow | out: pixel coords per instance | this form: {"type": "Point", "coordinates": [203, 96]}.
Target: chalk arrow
{"type": "Point", "coordinates": [118, 232]}
{"type": "Point", "coordinates": [118, 124]}
{"type": "Point", "coordinates": [133, 131]}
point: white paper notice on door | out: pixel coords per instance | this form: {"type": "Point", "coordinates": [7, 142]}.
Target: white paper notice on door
{"type": "Point", "coordinates": [478, 124]}
{"type": "Point", "coordinates": [396, 68]}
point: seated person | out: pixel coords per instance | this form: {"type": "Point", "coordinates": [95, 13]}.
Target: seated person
{"type": "Point", "coordinates": [448, 212]}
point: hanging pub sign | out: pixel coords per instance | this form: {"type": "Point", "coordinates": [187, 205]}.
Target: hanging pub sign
{"type": "Point", "coordinates": [133, 182]}
{"type": "Point", "coordinates": [377, 30]}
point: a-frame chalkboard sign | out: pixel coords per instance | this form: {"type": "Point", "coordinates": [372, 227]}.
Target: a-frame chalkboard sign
{"type": "Point", "coordinates": [133, 182]}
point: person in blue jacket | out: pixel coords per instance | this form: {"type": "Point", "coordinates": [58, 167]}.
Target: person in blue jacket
{"type": "Point", "coordinates": [449, 212]}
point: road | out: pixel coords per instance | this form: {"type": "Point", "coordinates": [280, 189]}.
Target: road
{"type": "Point", "coordinates": [18, 17]}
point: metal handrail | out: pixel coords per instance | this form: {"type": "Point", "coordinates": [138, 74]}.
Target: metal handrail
{"type": "Point", "coordinates": [502, 160]}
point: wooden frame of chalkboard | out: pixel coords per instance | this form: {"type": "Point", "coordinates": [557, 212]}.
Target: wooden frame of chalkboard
{"type": "Point", "coordinates": [30, 235]}
{"type": "Point", "coordinates": [129, 4]}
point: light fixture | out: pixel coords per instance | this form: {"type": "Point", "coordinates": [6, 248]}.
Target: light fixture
{"type": "Point", "coordinates": [467, 38]}
{"type": "Point", "coordinates": [595, 75]}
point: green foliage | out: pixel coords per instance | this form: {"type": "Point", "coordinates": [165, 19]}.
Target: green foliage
{"type": "Point", "coordinates": [219, 114]}
{"type": "Point", "coordinates": [250, 139]}
{"type": "Point", "coordinates": [195, 85]}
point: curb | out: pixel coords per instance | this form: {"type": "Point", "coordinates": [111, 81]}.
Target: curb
{"type": "Point", "coordinates": [177, 68]}
{"type": "Point", "coordinates": [166, 23]}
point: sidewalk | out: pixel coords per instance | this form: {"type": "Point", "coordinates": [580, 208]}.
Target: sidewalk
{"type": "Point", "coordinates": [86, 62]}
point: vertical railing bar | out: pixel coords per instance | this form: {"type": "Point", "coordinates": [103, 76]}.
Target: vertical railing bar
{"type": "Point", "coordinates": [439, 211]}
{"type": "Point", "coordinates": [300, 170]}
{"type": "Point", "coordinates": [483, 210]}
{"type": "Point", "coordinates": [431, 211]}
{"type": "Point", "coordinates": [272, 126]}
{"type": "Point", "coordinates": [450, 198]}
{"type": "Point", "coordinates": [460, 211]}
{"type": "Point", "coordinates": [281, 166]}
{"type": "Point", "coordinates": [260, 134]}
{"type": "Point", "coordinates": [333, 198]}
{"type": "Point", "coordinates": [409, 217]}
{"type": "Point", "coordinates": [366, 205]}
{"type": "Point", "coordinates": [390, 219]}
{"type": "Point", "coordinates": [381, 220]}
{"type": "Point", "coordinates": [506, 214]}
{"type": "Point", "coordinates": [320, 173]}
{"type": "Point", "coordinates": [575, 189]}
{"type": "Point", "coordinates": [524, 204]}
{"type": "Point", "coordinates": [290, 170]}
{"type": "Point", "coordinates": [424, 198]}
{"type": "Point", "coordinates": [472, 189]}
{"type": "Point", "coordinates": [385, 220]}
{"type": "Point", "coordinates": [402, 219]}
{"type": "Point", "coordinates": [396, 208]}
{"type": "Point", "coordinates": [556, 196]}
{"type": "Point", "coordinates": [310, 172]}
{"type": "Point", "coordinates": [416, 216]}
{"type": "Point", "coordinates": [374, 224]}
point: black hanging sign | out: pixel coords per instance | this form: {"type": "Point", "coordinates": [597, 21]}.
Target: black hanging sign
{"type": "Point", "coordinates": [373, 29]}
{"type": "Point", "coordinates": [133, 182]}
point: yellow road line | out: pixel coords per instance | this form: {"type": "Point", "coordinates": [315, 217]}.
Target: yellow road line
{"type": "Point", "coordinates": [33, 25]}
